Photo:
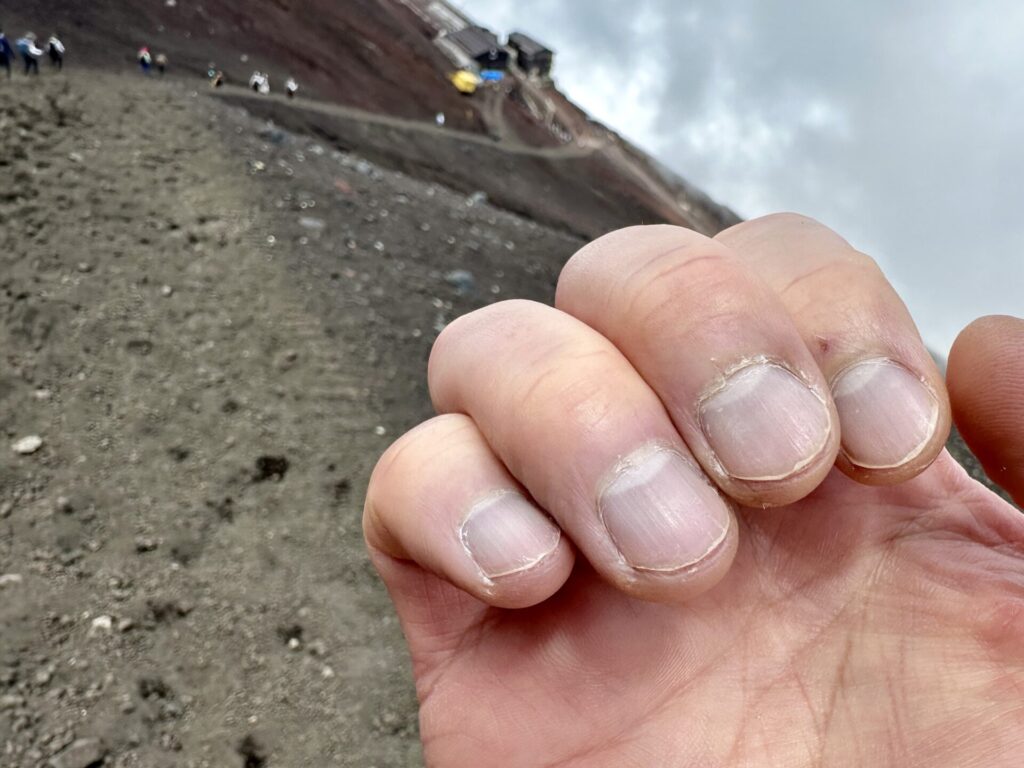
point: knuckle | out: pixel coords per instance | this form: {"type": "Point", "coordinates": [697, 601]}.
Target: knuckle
{"type": "Point", "coordinates": [793, 229]}
{"type": "Point", "coordinates": [485, 333]}
{"type": "Point", "coordinates": [619, 252]}
{"type": "Point", "coordinates": [566, 379]}
{"type": "Point", "coordinates": [496, 318]}
{"type": "Point", "coordinates": [698, 288]}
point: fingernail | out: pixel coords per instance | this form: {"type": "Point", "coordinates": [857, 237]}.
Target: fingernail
{"type": "Point", "coordinates": [661, 515]}
{"type": "Point", "coordinates": [506, 534]}
{"type": "Point", "coordinates": [764, 423]}
{"type": "Point", "coordinates": [887, 416]}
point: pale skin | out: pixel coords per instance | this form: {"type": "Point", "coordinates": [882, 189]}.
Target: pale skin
{"type": "Point", "coordinates": [700, 514]}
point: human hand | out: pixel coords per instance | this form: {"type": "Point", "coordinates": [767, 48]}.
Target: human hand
{"type": "Point", "coordinates": [701, 515]}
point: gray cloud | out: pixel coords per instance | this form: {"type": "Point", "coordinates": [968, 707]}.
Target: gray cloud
{"type": "Point", "coordinates": [898, 124]}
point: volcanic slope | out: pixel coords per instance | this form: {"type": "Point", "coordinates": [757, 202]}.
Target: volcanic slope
{"type": "Point", "coordinates": [215, 327]}
{"type": "Point", "coordinates": [379, 56]}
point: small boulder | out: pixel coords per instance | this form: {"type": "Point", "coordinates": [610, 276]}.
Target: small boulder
{"type": "Point", "coordinates": [28, 445]}
{"type": "Point", "coordinates": [83, 753]}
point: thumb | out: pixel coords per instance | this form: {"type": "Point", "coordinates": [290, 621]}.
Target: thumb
{"type": "Point", "coordinates": [986, 387]}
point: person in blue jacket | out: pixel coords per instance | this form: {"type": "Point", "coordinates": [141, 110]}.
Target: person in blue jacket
{"type": "Point", "coordinates": [7, 54]}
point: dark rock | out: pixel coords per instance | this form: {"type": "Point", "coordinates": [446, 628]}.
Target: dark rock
{"type": "Point", "coordinates": [84, 753]}
{"type": "Point", "coordinates": [253, 754]}
{"type": "Point", "coordinates": [140, 347]}
{"type": "Point", "coordinates": [270, 468]}
{"type": "Point", "coordinates": [179, 453]}
{"type": "Point", "coordinates": [154, 688]}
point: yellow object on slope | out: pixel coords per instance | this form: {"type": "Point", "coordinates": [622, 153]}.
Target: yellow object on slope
{"type": "Point", "coordinates": [465, 81]}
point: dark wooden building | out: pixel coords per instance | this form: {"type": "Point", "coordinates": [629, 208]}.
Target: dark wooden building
{"type": "Point", "coordinates": [532, 57]}
{"type": "Point", "coordinates": [482, 46]}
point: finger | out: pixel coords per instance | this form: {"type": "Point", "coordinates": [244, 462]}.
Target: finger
{"type": "Point", "coordinates": [893, 410]}
{"type": "Point", "coordinates": [719, 350]}
{"type": "Point", "coordinates": [572, 420]}
{"type": "Point", "coordinates": [441, 499]}
{"type": "Point", "coordinates": [986, 385]}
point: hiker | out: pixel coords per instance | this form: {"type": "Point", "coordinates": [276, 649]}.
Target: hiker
{"type": "Point", "coordinates": [7, 54]}
{"type": "Point", "coordinates": [291, 87]}
{"type": "Point", "coordinates": [217, 80]}
{"type": "Point", "coordinates": [260, 82]}
{"type": "Point", "coordinates": [56, 50]}
{"type": "Point", "coordinates": [30, 53]}
{"type": "Point", "coordinates": [145, 60]}
{"type": "Point", "coordinates": [161, 64]}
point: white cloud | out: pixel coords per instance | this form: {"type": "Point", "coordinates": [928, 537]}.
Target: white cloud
{"type": "Point", "coordinates": [897, 124]}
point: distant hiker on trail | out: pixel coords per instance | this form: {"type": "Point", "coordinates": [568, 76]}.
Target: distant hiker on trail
{"type": "Point", "coordinates": [260, 82]}
{"type": "Point", "coordinates": [56, 50]}
{"type": "Point", "coordinates": [145, 60]}
{"type": "Point", "coordinates": [291, 87]}
{"type": "Point", "coordinates": [217, 80]}
{"type": "Point", "coordinates": [7, 54]}
{"type": "Point", "coordinates": [161, 64]}
{"type": "Point", "coordinates": [30, 52]}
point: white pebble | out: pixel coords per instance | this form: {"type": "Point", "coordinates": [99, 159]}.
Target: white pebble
{"type": "Point", "coordinates": [101, 625]}
{"type": "Point", "coordinates": [28, 445]}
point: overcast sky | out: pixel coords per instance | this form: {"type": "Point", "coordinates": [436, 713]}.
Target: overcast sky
{"type": "Point", "coordinates": [901, 125]}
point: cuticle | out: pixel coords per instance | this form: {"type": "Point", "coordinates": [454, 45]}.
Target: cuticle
{"type": "Point", "coordinates": [882, 359]}
{"type": "Point", "coordinates": [647, 449]}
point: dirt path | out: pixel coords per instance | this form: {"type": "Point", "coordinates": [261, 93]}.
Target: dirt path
{"type": "Point", "coordinates": [492, 110]}
{"type": "Point", "coordinates": [215, 327]}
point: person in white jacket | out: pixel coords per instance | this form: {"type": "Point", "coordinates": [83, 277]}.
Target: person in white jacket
{"type": "Point", "coordinates": [30, 53]}
{"type": "Point", "coordinates": [56, 50]}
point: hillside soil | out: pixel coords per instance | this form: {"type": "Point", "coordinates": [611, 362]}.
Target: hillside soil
{"type": "Point", "coordinates": [215, 327]}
